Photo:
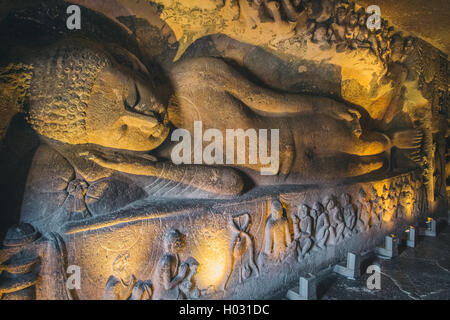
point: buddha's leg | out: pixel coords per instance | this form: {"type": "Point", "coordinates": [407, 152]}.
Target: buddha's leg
{"type": "Point", "coordinates": [217, 75]}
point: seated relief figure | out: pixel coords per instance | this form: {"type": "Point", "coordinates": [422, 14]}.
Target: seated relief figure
{"type": "Point", "coordinates": [98, 115]}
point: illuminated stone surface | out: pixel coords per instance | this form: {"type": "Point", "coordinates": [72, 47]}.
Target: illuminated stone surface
{"type": "Point", "coordinates": [86, 151]}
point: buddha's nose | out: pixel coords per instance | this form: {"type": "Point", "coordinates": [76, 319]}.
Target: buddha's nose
{"type": "Point", "coordinates": [145, 123]}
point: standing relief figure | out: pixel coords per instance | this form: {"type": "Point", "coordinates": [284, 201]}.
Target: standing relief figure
{"type": "Point", "coordinates": [337, 224]}
{"type": "Point", "coordinates": [303, 230]}
{"type": "Point", "coordinates": [242, 250]}
{"type": "Point", "coordinates": [277, 235]}
{"type": "Point", "coordinates": [377, 208]}
{"type": "Point", "coordinates": [322, 226]}
{"type": "Point", "coordinates": [386, 202]}
{"type": "Point", "coordinates": [363, 207]}
{"type": "Point", "coordinates": [338, 28]}
{"type": "Point", "coordinates": [349, 215]}
{"type": "Point", "coordinates": [392, 201]}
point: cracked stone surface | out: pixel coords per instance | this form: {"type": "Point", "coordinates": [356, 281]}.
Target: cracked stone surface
{"type": "Point", "coordinates": [421, 273]}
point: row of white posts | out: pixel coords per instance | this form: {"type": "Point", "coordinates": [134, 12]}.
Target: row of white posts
{"type": "Point", "coordinates": [307, 289]}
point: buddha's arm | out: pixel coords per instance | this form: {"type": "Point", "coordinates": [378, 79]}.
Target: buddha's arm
{"type": "Point", "coordinates": [219, 181]}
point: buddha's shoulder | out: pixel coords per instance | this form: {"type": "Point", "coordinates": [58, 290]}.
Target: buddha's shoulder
{"type": "Point", "coordinates": [49, 170]}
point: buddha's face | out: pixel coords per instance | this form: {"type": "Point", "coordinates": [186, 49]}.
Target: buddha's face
{"type": "Point", "coordinates": [124, 113]}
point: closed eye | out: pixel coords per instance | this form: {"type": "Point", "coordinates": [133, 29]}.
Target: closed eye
{"type": "Point", "coordinates": [133, 98]}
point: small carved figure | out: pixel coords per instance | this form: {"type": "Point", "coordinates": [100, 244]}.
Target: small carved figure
{"type": "Point", "coordinates": [349, 215]}
{"type": "Point", "coordinates": [321, 37]}
{"type": "Point", "coordinates": [314, 214]}
{"type": "Point", "coordinates": [322, 226]}
{"type": "Point", "coordinates": [320, 11]}
{"type": "Point", "coordinates": [289, 10]}
{"type": "Point", "coordinates": [338, 27]}
{"type": "Point", "coordinates": [363, 207]}
{"type": "Point", "coordinates": [120, 285]}
{"type": "Point", "coordinates": [277, 235]}
{"type": "Point", "coordinates": [393, 201]}
{"type": "Point", "coordinates": [242, 250]}
{"type": "Point", "coordinates": [250, 11]}
{"type": "Point", "coordinates": [377, 208]}
{"type": "Point", "coordinates": [188, 287]}
{"type": "Point", "coordinates": [303, 230]}
{"type": "Point", "coordinates": [421, 197]}
{"type": "Point", "coordinates": [385, 205]}
{"type": "Point", "coordinates": [405, 208]}
{"type": "Point", "coordinates": [283, 29]}
{"type": "Point", "coordinates": [384, 40]}
{"type": "Point", "coordinates": [170, 273]}
{"type": "Point", "coordinates": [337, 224]}
{"type": "Point", "coordinates": [235, 9]}
{"type": "Point", "coordinates": [362, 34]}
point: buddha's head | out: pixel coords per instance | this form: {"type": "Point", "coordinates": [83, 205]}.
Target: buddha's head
{"type": "Point", "coordinates": [81, 94]}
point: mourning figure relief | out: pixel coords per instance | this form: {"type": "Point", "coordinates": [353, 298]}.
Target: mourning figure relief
{"type": "Point", "coordinates": [337, 223]}
{"type": "Point", "coordinates": [170, 271]}
{"type": "Point", "coordinates": [242, 259]}
{"type": "Point", "coordinates": [349, 214]}
{"type": "Point", "coordinates": [277, 236]}
{"type": "Point", "coordinates": [363, 212]}
{"type": "Point", "coordinates": [322, 227]}
{"type": "Point", "coordinates": [124, 286]}
{"type": "Point", "coordinates": [377, 208]}
{"type": "Point", "coordinates": [303, 230]}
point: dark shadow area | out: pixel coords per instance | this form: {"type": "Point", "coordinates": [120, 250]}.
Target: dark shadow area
{"type": "Point", "coordinates": [16, 154]}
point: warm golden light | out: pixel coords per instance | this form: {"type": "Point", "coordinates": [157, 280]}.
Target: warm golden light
{"type": "Point", "coordinates": [212, 254]}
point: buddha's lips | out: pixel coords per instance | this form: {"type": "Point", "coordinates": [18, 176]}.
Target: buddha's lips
{"type": "Point", "coordinates": [157, 130]}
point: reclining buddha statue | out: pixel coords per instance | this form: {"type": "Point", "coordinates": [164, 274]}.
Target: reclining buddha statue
{"type": "Point", "coordinates": [105, 131]}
